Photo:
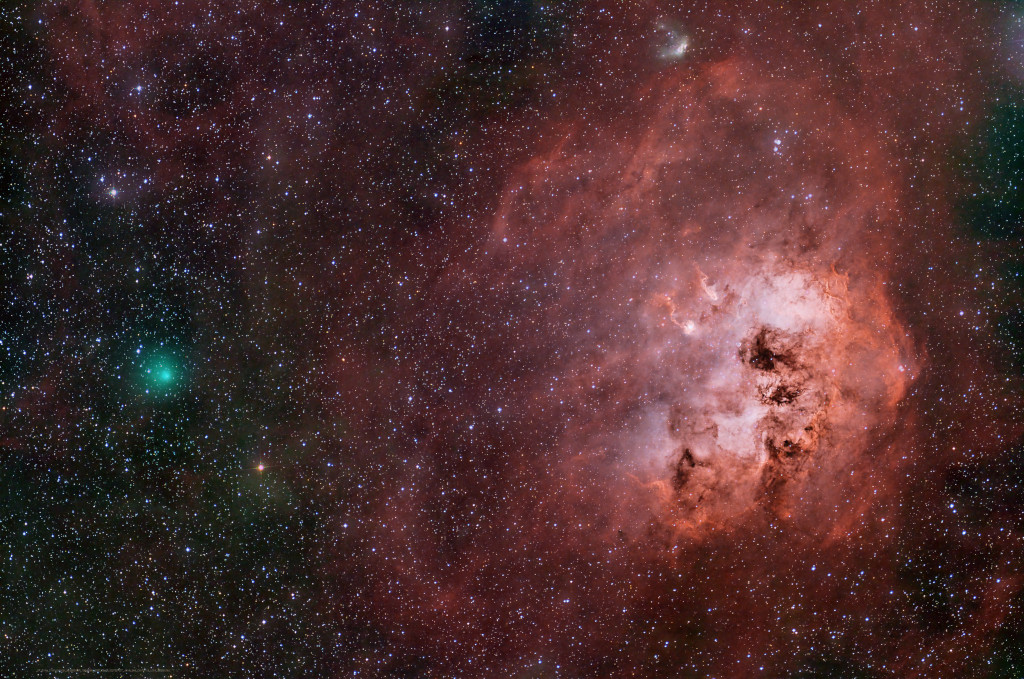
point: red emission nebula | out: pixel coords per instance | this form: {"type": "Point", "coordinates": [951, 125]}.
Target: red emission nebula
{"type": "Point", "coordinates": [678, 390]}
{"type": "Point", "coordinates": [696, 391]}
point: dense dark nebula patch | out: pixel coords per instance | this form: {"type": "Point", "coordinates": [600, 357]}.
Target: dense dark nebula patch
{"type": "Point", "coordinates": [533, 339]}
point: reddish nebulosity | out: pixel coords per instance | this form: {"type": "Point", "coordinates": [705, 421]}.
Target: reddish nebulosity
{"type": "Point", "coordinates": [709, 377]}
{"type": "Point", "coordinates": [667, 409]}
{"type": "Point", "coordinates": [208, 95]}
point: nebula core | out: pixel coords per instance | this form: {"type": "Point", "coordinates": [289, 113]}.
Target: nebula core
{"type": "Point", "coordinates": [489, 339]}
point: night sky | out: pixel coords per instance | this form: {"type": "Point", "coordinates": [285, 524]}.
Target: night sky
{"type": "Point", "coordinates": [512, 338]}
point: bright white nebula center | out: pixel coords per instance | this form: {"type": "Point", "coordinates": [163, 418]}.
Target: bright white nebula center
{"type": "Point", "coordinates": [779, 369]}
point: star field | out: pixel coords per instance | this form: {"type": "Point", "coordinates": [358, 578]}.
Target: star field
{"type": "Point", "coordinates": [395, 338]}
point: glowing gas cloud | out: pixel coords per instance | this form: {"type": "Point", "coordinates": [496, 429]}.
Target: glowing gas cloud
{"type": "Point", "coordinates": [779, 375]}
{"type": "Point", "coordinates": [562, 339]}
{"type": "Point", "coordinates": [695, 294]}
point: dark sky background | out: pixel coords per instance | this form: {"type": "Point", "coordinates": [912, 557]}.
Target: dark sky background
{"type": "Point", "coordinates": [512, 339]}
